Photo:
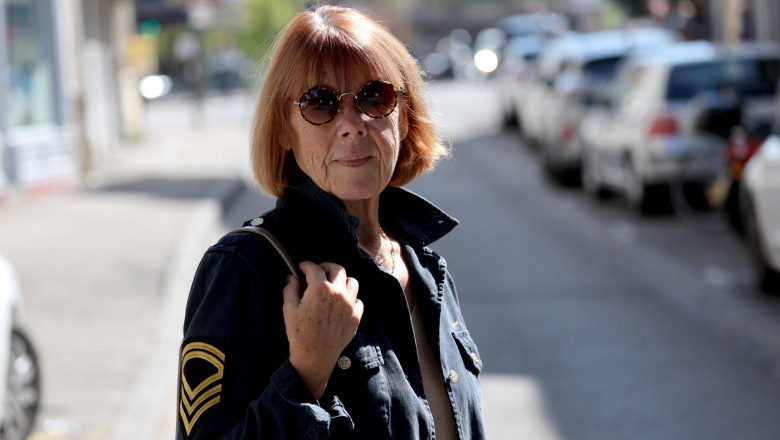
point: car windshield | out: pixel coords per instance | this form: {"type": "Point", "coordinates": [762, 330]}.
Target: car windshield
{"type": "Point", "coordinates": [756, 77]}
{"type": "Point", "coordinates": [603, 69]}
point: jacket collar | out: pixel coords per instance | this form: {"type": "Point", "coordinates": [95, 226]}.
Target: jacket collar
{"type": "Point", "coordinates": [403, 213]}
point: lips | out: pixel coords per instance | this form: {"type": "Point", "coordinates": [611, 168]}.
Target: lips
{"type": "Point", "coordinates": [352, 162]}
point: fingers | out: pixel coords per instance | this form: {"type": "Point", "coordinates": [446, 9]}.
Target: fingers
{"type": "Point", "coordinates": [292, 297]}
{"type": "Point", "coordinates": [292, 291]}
{"type": "Point", "coordinates": [358, 310]}
{"type": "Point", "coordinates": [336, 274]}
{"type": "Point", "coordinates": [313, 272]}
{"type": "Point", "coordinates": [352, 288]}
{"type": "Point", "coordinates": [332, 275]}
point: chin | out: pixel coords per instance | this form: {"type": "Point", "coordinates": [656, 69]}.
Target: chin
{"type": "Point", "coordinates": [358, 188]}
{"type": "Point", "coordinates": [354, 193]}
{"type": "Point", "coordinates": [355, 196]}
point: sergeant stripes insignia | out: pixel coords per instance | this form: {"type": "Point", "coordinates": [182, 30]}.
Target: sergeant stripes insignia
{"type": "Point", "coordinates": [202, 369]}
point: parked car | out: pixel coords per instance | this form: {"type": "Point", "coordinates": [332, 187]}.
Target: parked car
{"type": "Point", "coordinates": [588, 63]}
{"type": "Point", "coordinates": [652, 135]}
{"type": "Point", "coordinates": [515, 73]}
{"type": "Point", "coordinates": [20, 396]}
{"type": "Point", "coordinates": [531, 106]}
{"type": "Point", "coordinates": [525, 36]}
{"type": "Point", "coordinates": [760, 202]}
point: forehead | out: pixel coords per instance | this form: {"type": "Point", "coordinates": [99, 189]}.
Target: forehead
{"type": "Point", "coordinates": [345, 74]}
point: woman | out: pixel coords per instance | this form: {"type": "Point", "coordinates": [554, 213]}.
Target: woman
{"type": "Point", "coordinates": [370, 343]}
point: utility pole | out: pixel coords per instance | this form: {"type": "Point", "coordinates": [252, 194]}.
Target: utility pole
{"type": "Point", "coordinates": [732, 21]}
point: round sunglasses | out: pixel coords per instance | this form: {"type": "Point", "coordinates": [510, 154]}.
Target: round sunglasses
{"type": "Point", "coordinates": [320, 105]}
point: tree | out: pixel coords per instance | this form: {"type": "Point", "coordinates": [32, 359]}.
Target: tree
{"type": "Point", "coordinates": [634, 8]}
{"type": "Point", "coordinates": [264, 19]}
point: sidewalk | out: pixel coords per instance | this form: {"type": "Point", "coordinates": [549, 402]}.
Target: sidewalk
{"type": "Point", "coordinates": [105, 270]}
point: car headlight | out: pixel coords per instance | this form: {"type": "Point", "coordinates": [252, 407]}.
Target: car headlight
{"type": "Point", "coordinates": [486, 60]}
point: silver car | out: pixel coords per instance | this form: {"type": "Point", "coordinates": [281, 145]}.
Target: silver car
{"type": "Point", "coordinates": [650, 135]}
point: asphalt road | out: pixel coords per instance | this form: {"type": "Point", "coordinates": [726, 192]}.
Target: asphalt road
{"type": "Point", "coordinates": [593, 322]}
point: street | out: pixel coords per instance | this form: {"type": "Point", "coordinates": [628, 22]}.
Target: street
{"type": "Point", "coordinates": [593, 322]}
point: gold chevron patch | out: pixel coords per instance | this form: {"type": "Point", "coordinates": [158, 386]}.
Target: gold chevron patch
{"type": "Point", "coordinates": [202, 369]}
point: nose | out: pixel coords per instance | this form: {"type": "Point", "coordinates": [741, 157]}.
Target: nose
{"type": "Point", "coordinates": [352, 122]}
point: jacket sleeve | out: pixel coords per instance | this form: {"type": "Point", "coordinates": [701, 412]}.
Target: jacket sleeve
{"type": "Point", "coordinates": [235, 380]}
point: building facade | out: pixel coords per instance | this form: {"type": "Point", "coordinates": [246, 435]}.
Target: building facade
{"type": "Point", "coordinates": [66, 98]}
{"type": "Point", "coordinates": [37, 129]}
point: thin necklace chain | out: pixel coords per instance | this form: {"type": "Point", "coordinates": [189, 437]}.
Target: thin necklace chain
{"type": "Point", "coordinates": [386, 238]}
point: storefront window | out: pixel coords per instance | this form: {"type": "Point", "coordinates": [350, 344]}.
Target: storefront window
{"type": "Point", "coordinates": [31, 93]}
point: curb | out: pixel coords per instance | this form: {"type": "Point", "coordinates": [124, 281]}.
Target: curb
{"type": "Point", "coordinates": [148, 404]}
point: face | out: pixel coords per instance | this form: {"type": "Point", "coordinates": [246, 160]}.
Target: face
{"type": "Point", "coordinates": [353, 156]}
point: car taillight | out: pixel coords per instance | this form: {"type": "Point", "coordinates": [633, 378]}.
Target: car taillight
{"type": "Point", "coordinates": [663, 126]}
{"type": "Point", "coordinates": [740, 149]}
{"type": "Point", "coordinates": [567, 132]}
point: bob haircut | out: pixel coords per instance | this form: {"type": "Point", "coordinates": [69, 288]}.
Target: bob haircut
{"type": "Point", "coordinates": [340, 42]}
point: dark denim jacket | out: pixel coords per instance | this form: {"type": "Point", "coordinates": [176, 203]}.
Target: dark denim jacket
{"type": "Point", "coordinates": [235, 379]}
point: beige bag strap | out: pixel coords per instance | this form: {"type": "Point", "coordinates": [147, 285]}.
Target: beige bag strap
{"type": "Point", "coordinates": [274, 241]}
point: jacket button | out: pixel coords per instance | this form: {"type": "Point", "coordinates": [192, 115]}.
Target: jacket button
{"type": "Point", "coordinates": [257, 221]}
{"type": "Point", "coordinates": [475, 357]}
{"type": "Point", "coordinates": [344, 362]}
{"type": "Point", "coordinates": [453, 376]}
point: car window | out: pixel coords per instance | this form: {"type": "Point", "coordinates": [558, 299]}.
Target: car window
{"type": "Point", "coordinates": [751, 77]}
{"type": "Point", "coordinates": [602, 70]}
{"type": "Point", "coordinates": [628, 80]}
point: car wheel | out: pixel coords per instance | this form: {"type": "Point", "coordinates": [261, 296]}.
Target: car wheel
{"type": "Point", "coordinates": [767, 278]}
{"type": "Point", "coordinates": [23, 388]}
{"type": "Point", "coordinates": [646, 199]}
{"type": "Point", "coordinates": [635, 189]}
{"type": "Point", "coordinates": [591, 182]}
{"type": "Point", "coordinates": [731, 207]}
{"type": "Point", "coordinates": [509, 118]}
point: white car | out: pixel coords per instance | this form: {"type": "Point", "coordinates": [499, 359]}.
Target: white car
{"type": "Point", "coordinates": [532, 105]}
{"type": "Point", "coordinates": [514, 74]}
{"type": "Point", "coordinates": [525, 34]}
{"type": "Point", "coordinates": [760, 202]}
{"type": "Point", "coordinates": [588, 62]}
{"type": "Point", "coordinates": [652, 136]}
{"type": "Point", "coordinates": [20, 396]}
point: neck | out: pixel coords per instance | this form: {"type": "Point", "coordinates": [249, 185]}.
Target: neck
{"type": "Point", "coordinates": [369, 230]}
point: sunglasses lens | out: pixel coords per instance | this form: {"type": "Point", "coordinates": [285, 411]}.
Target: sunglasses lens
{"type": "Point", "coordinates": [377, 99]}
{"type": "Point", "coordinates": [319, 105]}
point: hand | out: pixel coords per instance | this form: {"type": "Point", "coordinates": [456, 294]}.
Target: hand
{"type": "Point", "coordinates": [320, 324]}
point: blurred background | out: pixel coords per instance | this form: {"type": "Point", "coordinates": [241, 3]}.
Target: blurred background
{"type": "Point", "coordinates": [616, 172]}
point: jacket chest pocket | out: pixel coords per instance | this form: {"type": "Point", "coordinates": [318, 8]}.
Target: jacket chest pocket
{"type": "Point", "coordinates": [465, 380]}
{"type": "Point", "coordinates": [468, 351]}
{"type": "Point", "coordinates": [361, 384]}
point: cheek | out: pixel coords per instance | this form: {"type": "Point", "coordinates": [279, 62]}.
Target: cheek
{"type": "Point", "coordinates": [311, 147]}
{"type": "Point", "coordinates": [389, 135]}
